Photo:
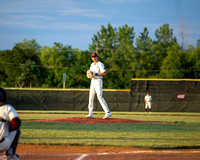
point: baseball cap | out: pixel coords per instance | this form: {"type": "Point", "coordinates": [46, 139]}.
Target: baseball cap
{"type": "Point", "coordinates": [94, 55]}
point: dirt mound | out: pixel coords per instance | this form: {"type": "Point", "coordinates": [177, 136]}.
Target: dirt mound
{"type": "Point", "coordinates": [93, 120]}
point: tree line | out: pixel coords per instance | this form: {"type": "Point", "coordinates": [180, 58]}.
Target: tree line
{"type": "Point", "coordinates": [124, 55]}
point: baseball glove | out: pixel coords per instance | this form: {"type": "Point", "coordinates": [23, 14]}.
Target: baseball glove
{"type": "Point", "coordinates": [89, 74]}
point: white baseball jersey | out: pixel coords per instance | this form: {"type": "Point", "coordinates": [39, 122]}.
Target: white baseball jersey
{"type": "Point", "coordinates": [97, 68]}
{"type": "Point", "coordinates": [148, 98]}
{"type": "Point", "coordinates": [7, 113]}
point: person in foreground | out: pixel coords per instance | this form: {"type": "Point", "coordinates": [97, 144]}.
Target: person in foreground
{"type": "Point", "coordinates": [9, 128]}
{"type": "Point", "coordinates": [96, 85]}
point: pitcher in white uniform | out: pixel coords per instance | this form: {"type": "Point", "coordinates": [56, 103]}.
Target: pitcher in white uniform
{"type": "Point", "coordinates": [96, 87]}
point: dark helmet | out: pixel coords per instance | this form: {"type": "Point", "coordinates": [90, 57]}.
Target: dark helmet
{"type": "Point", "coordinates": [94, 55]}
{"type": "Point", "coordinates": [3, 95]}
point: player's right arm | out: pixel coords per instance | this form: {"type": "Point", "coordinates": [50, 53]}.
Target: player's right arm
{"type": "Point", "coordinates": [14, 124]}
{"type": "Point", "coordinates": [15, 121]}
{"type": "Point", "coordinates": [145, 99]}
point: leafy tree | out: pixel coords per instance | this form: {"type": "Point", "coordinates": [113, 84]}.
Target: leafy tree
{"type": "Point", "coordinates": [58, 60]}
{"type": "Point", "coordinates": [125, 49]}
{"type": "Point", "coordinates": [77, 74]}
{"type": "Point", "coordinates": [177, 64]}
{"type": "Point", "coordinates": [198, 42]}
{"type": "Point", "coordinates": [143, 42]}
{"type": "Point", "coordinates": [104, 42]}
{"type": "Point", "coordinates": [29, 44]}
{"type": "Point", "coordinates": [164, 39]}
{"type": "Point", "coordinates": [190, 48]}
{"type": "Point", "coordinates": [12, 60]}
{"type": "Point", "coordinates": [29, 73]}
{"type": "Point", "coordinates": [144, 54]}
{"type": "Point", "coordinates": [164, 36]}
{"type": "Point", "coordinates": [3, 65]}
{"type": "Point", "coordinates": [195, 57]}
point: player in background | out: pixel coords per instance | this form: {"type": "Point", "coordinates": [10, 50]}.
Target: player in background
{"type": "Point", "coordinates": [148, 100]}
{"type": "Point", "coordinates": [9, 128]}
{"type": "Point", "coordinates": [96, 86]}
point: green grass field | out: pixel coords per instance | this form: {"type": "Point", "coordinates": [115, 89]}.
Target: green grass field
{"type": "Point", "coordinates": [180, 130]}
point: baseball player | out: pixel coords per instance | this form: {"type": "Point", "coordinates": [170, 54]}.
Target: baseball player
{"type": "Point", "coordinates": [9, 128]}
{"type": "Point", "coordinates": [96, 86]}
{"type": "Point", "coordinates": [148, 100]}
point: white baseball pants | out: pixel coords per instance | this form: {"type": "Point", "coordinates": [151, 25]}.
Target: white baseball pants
{"type": "Point", "coordinates": [5, 145]}
{"type": "Point", "coordinates": [148, 104]}
{"type": "Point", "coordinates": [96, 87]}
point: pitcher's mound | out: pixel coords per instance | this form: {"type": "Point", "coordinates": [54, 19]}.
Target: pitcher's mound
{"type": "Point", "coordinates": [93, 120]}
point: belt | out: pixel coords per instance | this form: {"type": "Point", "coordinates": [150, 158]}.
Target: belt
{"type": "Point", "coordinates": [3, 139]}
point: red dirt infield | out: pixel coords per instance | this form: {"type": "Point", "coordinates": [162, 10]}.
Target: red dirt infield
{"type": "Point", "coordinates": [93, 120]}
{"type": "Point", "coordinates": [64, 152]}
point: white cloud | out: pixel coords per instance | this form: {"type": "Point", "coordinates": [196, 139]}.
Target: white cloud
{"type": "Point", "coordinates": [81, 12]}
{"type": "Point", "coordinates": [52, 25]}
{"type": "Point", "coordinates": [42, 14]}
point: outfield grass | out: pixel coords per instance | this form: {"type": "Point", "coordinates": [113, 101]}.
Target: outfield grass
{"type": "Point", "coordinates": [180, 130]}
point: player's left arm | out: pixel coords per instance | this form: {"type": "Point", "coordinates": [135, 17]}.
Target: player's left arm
{"type": "Point", "coordinates": [102, 74]}
{"type": "Point", "coordinates": [102, 70]}
{"type": "Point", "coordinates": [151, 100]}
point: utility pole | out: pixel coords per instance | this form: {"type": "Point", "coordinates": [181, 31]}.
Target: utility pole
{"type": "Point", "coordinates": [183, 32]}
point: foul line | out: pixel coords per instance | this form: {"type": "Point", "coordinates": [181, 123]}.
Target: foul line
{"type": "Point", "coordinates": [174, 152]}
{"type": "Point", "coordinates": [107, 153]}
{"type": "Point", "coordinates": [82, 155]}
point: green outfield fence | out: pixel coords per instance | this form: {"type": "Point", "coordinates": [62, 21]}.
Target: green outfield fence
{"type": "Point", "coordinates": [169, 95]}
{"type": "Point", "coordinates": [66, 99]}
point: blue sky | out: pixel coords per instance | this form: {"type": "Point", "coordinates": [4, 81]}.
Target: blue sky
{"type": "Point", "coordinates": [73, 22]}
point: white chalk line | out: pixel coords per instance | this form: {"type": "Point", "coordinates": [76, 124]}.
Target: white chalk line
{"type": "Point", "coordinates": [81, 155]}
{"type": "Point", "coordinates": [174, 152]}
{"type": "Point", "coordinates": [105, 153]}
